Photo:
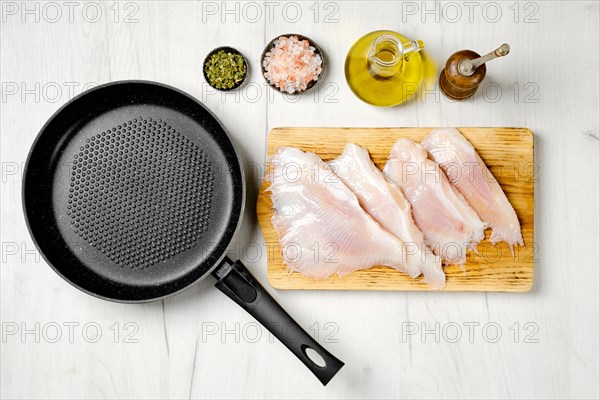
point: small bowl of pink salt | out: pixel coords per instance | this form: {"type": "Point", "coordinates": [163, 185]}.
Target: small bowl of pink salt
{"type": "Point", "coordinates": [292, 63]}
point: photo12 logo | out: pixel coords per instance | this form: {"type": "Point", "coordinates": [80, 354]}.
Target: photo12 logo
{"type": "Point", "coordinates": [69, 11]}
{"type": "Point", "coordinates": [489, 91]}
{"type": "Point", "coordinates": [470, 11]}
{"type": "Point", "coordinates": [470, 332]}
{"type": "Point", "coordinates": [38, 92]}
{"type": "Point", "coordinates": [253, 332]}
{"type": "Point", "coordinates": [69, 331]}
{"type": "Point", "coordinates": [270, 11]}
{"type": "Point", "coordinates": [254, 92]}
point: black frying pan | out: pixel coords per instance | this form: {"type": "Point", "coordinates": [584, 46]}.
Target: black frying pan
{"type": "Point", "coordinates": [133, 191]}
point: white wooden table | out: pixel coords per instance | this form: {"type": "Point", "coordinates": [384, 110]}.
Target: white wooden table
{"type": "Point", "coordinates": [60, 343]}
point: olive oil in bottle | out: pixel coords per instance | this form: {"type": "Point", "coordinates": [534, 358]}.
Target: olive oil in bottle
{"type": "Point", "coordinates": [383, 68]}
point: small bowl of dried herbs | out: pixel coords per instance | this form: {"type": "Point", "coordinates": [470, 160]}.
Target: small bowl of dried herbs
{"type": "Point", "coordinates": [225, 68]}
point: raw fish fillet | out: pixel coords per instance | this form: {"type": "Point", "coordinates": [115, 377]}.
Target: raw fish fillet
{"type": "Point", "coordinates": [449, 224]}
{"type": "Point", "coordinates": [473, 179]}
{"type": "Point", "coordinates": [321, 227]}
{"type": "Point", "coordinates": [384, 201]}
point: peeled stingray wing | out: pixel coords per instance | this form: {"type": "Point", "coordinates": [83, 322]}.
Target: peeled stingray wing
{"type": "Point", "coordinates": [384, 201]}
{"type": "Point", "coordinates": [321, 227]}
{"type": "Point", "coordinates": [449, 224]}
{"type": "Point", "coordinates": [473, 179]}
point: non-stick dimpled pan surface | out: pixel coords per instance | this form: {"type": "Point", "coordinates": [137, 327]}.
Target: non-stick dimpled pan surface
{"type": "Point", "coordinates": [133, 191]}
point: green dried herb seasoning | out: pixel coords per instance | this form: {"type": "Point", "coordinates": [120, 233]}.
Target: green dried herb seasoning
{"type": "Point", "coordinates": [225, 70]}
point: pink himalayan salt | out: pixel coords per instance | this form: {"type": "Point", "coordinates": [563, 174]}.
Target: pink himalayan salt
{"type": "Point", "coordinates": [292, 64]}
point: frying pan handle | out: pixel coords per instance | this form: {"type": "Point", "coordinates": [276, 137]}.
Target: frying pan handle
{"type": "Point", "coordinates": [235, 281]}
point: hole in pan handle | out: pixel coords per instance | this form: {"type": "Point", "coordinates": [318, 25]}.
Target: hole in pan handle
{"type": "Point", "coordinates": [237, 283]}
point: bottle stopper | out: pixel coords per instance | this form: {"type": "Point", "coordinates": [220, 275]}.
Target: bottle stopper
{"type": "Point", "coordinates": [465, 70]}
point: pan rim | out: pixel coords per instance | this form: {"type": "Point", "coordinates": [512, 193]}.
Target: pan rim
{"type": "Point", "coordinates": [56, 114]}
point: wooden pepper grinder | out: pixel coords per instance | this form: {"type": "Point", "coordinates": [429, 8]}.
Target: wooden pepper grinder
{"type": "Point", "coordinates": [465, 70]}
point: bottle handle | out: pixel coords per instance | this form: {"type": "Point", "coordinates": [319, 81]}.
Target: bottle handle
{"type": "Point", "coordinates": [411, 48]}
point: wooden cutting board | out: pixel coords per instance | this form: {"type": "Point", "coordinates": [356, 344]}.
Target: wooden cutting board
{"type": "Point", "coordinates": [508, 153]}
